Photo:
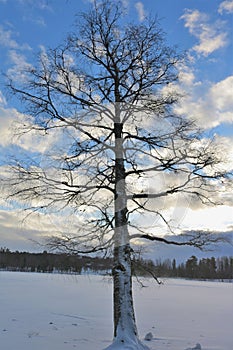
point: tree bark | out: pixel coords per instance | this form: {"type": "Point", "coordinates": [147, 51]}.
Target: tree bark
{"type": "Point", "coordinates": [125, 330]}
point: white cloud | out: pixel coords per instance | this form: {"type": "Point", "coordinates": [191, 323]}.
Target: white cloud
{"type": "Point", "coordinates": [210, 104]}
{"type": "Point", "coordinates": [18, 231]}
{"type": "Point", "coordinates": [211, 36]}
{"type": "Point", "coordinates": [213, 219]}
{"type": "Point", "coordinates": [210, 42]}
{"type": "Point", "coordinates": [221, 96]}
{"type": "Point", "coordinates": [35, 141]}
{"type": "Point", "coordinates": [18, 234]}
{"type": "Point", "coordinates": [226, 6]}
{"type": "Point", "coordinates": [6, 118]}
{"type": "Point", "coordinates": [186, 76]}
{"type": "Point", "coordinates": [2, 99]}
{"type": "Point", "coordinates": [20, 65]}
{"type": "Point", "coordinates": [6, 39]}
{"type": "Point", "coordinates": [226, 143]}
{"type": "Point", "coordinates": [140, 9]}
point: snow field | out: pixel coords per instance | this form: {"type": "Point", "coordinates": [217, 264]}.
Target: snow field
{"type": "Point", "coordinates": [62, 312]}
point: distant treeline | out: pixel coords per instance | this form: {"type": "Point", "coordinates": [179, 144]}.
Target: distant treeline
{"type": "Point", "coordinates": [205, 268]}
{"type": "Point", "coordinates": [50, 262]}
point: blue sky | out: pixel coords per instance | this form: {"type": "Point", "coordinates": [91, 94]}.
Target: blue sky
{"type": "Point", "coordinates": [203, 28]}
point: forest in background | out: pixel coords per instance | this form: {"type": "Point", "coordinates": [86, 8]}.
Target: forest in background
{"type": "Point", "coordinates": [204, 268]}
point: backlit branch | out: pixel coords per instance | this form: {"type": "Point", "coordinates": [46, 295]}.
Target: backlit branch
{"type": "Point", "coordinates": [199, 239]}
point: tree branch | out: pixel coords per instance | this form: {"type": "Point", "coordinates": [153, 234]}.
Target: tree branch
{"type": "Point", "coordinates": [198, 239]}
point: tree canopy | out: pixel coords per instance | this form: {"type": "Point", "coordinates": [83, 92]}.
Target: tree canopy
{"type": "Point", "coordinates": [107, 95]}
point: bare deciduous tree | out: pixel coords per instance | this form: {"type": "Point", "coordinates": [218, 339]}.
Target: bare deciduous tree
{"type": "Point", "coordinates": [108, 94]}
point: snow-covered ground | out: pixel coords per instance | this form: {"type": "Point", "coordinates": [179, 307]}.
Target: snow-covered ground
{"type": "Point", "coordinates": [62, 312]}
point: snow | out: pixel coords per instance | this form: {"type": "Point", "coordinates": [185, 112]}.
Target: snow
{"type": "Point", "coordinates": [62, 312]}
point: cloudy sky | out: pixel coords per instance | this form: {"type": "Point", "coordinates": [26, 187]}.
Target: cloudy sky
{"type": "Point", "coordinates": [203, 28]}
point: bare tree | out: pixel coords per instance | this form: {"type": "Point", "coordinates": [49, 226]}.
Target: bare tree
{"type": "Point", "coordinates": [109, 93]}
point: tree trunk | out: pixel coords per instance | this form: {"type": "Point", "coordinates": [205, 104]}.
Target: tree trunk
{"type": "Point", "coordinates": [125, 330]}
{"type": "Point", "coordinates": [124, 320]}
